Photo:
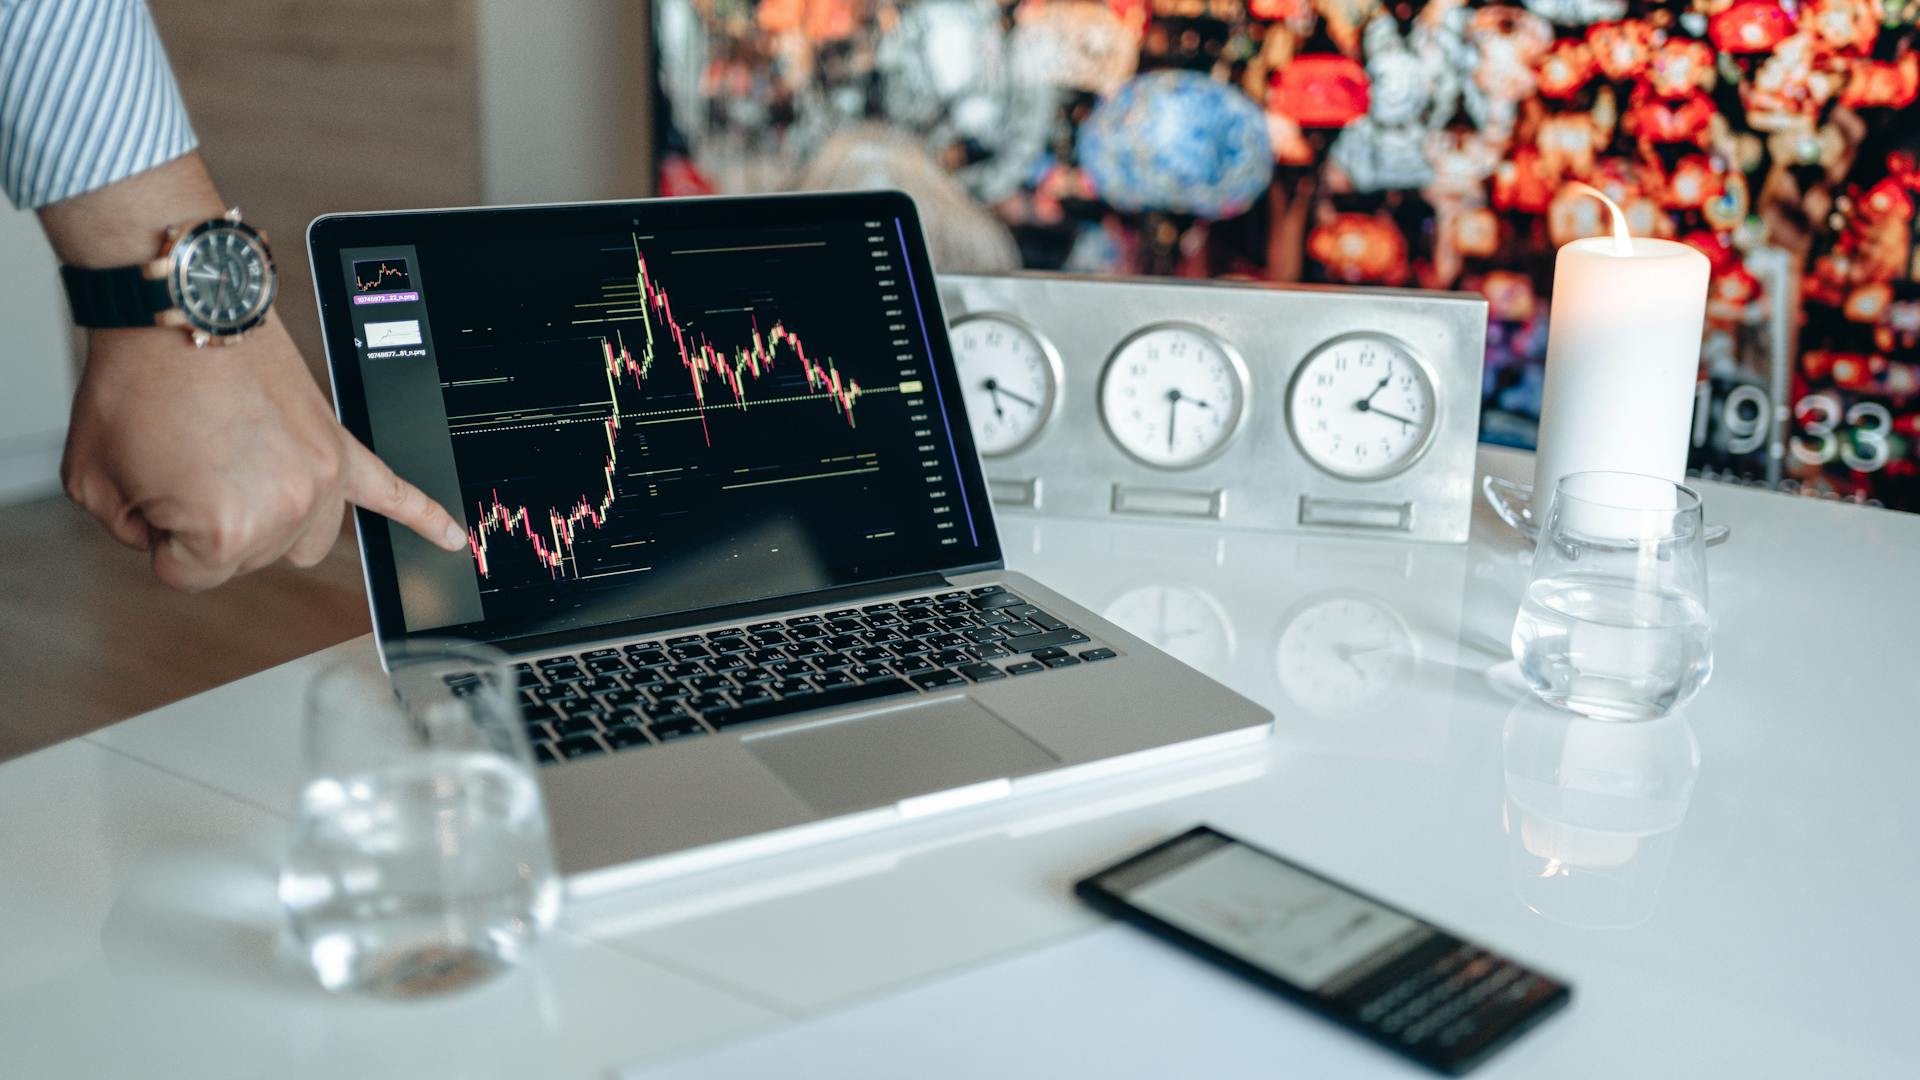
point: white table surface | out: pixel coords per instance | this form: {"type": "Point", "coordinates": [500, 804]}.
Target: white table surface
{"type": "Point", "coordinates": [1732, 891]}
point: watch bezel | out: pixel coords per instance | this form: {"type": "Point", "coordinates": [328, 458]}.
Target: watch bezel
{"type": "Point", "coordinates": [185, 242]}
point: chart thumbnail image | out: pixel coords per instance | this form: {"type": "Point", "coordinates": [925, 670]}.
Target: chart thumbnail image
{"type": "Point", "coordinates": [381, 275]}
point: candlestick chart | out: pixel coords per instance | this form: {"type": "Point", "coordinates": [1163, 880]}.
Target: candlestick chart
{"type": "Point", "coordinates": [690, 429]}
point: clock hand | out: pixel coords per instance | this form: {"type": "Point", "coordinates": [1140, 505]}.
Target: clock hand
{"type": "Point", "coordinates": [1027, 401]}
{"type": "Point", "coordinates": [1367, 402]}
{"type": "Point", "coordinates": [1173, 414]}
{"type": "Point", "coordinates": [992, 386]}
{"type": "Point", "coordinates": [1390, 416]}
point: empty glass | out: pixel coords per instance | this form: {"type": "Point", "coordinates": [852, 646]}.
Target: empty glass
{"type": "Point", "coordinates": [1614, 621]}
{"type": "Point", "coordinates": [420, 858]}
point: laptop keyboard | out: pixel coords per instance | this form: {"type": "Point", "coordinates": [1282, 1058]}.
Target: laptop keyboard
{"type": "Point", "coordinates": [691, 685]}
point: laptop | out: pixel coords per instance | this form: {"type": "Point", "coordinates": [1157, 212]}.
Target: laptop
{"type": "Point", "coordinates": [724, 510]}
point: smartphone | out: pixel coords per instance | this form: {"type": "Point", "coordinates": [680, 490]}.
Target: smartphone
{"type": "Point", "coordinates": [1395, 979]}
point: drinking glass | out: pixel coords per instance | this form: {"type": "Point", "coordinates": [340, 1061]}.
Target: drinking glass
{"type": "Point", "coordinates": [420, 859]}
{"type": "Point", "coordinates": [1614, 623]}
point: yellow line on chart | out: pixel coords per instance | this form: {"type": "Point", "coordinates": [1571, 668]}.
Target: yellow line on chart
{"type": "Point", "coordinates": [796, 479]}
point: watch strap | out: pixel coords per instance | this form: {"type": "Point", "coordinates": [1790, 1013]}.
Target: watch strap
{"type": "Point", "coordinates": [111, 299]}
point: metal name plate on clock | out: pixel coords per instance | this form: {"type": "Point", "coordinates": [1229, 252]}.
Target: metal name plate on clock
{"type": "Point", "coordinates": [1297, 408]}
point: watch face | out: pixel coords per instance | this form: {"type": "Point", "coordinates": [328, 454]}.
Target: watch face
{"type": "Point", "coordinates": [1010, 378]}
{"type": "Point", "coordinates": [1173, 395]}
{"type": "Point", "coordinates": [222, 277]}
{"type": "Point", "coordinates": [1361, 407]}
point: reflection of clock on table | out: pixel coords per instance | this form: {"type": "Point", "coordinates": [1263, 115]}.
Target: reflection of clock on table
{"type": "Point", "coordinates": [1180, 620]}
{"type": "Point", "coordinates": [1321, 410]}
{"type": "Point", "coordinates": [1340, 652]}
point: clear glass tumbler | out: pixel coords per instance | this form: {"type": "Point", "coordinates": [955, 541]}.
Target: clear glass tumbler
{"type": "Point", "coordinates": [420, 859]}
{"type": "Point", "coordinates": [1614, 621]}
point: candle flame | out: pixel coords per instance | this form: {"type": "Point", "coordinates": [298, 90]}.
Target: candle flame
{"type": "Point", "coordinates": [1622, 240]}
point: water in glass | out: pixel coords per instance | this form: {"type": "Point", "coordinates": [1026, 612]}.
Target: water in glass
{"type": "Point", "coordinates": [420, 859]}
{"type": "Point", "coordinates": [1614, 623]}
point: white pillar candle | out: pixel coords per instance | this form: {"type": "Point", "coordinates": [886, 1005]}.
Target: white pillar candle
{"type": "Point", "coordinates": [1623, 354]}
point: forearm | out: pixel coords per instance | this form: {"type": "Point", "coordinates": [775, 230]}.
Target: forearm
{"type": "Point", "coordinates": [125, 222]}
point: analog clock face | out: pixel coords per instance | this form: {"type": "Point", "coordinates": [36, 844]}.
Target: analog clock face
{"type": "Point", "coordinates": [1010, 378]}
{"type": "Point", "coordinates": [1341, 652]}
{"type": "Point", "coordinates": [1361, 407]}
{"type": "Point", "coordinates": [1173, 395]}
{"type": "Point", "coordinates": [1181, 621]}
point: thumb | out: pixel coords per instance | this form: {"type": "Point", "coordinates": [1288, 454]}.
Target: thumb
{"type": "Point", "coordinates": [370, 484]}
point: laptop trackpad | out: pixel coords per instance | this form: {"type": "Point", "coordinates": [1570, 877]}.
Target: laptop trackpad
{"type": "Point", "coordinates": [862, 762]}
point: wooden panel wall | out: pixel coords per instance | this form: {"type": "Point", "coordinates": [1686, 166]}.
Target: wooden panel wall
{"type": "Point", "coordinates": [304, 108]}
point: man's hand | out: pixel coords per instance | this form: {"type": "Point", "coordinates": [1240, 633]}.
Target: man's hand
{"type": "Point", "coordinates": [219, 460]}
{"type": "Point", "coordinates": [225, 459]}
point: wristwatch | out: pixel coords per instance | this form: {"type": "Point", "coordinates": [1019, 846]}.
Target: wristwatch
{"type": "Point", "coordinates": [215, 279]}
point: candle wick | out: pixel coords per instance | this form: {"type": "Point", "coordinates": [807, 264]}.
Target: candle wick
{"type": "Point", "coordinates": [1622, 239]}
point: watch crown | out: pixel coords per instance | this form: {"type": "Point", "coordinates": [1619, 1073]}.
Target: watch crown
{"type": "Point", "coordinates": [173, 233]}
{"type": "Point", "coordinates": [201, 338]}
{"type": "Point", "coordinates": [232, 214]}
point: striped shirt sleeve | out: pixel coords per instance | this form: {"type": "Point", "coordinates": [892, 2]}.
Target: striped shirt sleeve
{"type": "Point", "coordinates": [86, 98]}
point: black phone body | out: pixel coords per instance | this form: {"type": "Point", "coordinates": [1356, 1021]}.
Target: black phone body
{"type": "Point", "coordinates": [1382, 973]}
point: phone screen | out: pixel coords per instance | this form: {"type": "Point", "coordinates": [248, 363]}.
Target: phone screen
{"type": "Point", "coordinates": [1402, 982]}
{"type": "Point", "coordinates": [1302, 928]}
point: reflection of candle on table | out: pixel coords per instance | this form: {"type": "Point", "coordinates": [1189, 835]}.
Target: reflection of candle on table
{"type": "Point", "coordinates": [1623, 354]}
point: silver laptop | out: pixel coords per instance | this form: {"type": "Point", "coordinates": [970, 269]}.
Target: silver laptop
{"type": "Point", "coordinates": [723, 505]}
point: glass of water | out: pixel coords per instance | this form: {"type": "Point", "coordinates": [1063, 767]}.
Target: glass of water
{"type": "Point", "coordinates": [1614, 621]}
{"type": "Point", "coordinates": [420, 858]}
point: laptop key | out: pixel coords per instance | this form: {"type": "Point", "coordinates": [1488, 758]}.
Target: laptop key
{"type": "Point", "coordinates": [576, 725]}
{"type": "Point", "coordinates": [806, 648]}
{"type": "Point", "coordinates": [545, 694]}
{"type": "Point", "coordinates": [1025, 667]}
{"type": "Point", "coordinates": [794, 688]}
{"type": "Point", "coordinates": [751, 695]}
{"type": "Point", "coordinates": [842, 613]}
{"type": "Point", "coordinates": [646, 658]}
{"type": "Point", "coordinates": [1093, 656]}
{"type": "Point", "coordinates": [558, 661]}
{"type": "Point", "coordinates": [732, 662]}
{"type": "Point", "coordinates": [544, 754]}
{"type": "Point", "coordinates": [708, 704]}
{"type": "Point", "coordinates": [578, 746]}
{"type": "Point", "coordinates": [828, 680]}
{"type": "Point", "coordinates": [826, 699]}
{"type": "Point", "coordinates": [729, 645]}
{"type": "Point", "coordinates": [683, 639]}
{"type": "Point", "coordinates": [989, 652]}
{"type": "Point", "coordinates": [763, 627]}
{"type": "Point", "coordinates": [669, 730]}
{"type": "Point", "coordinates": [832, 661]}
{"type": "Point", "coordinates": [909, 665]}
{"type": "Point", "coordinates": [1019, 629]}
{"type": "Point", "coordinates": [934, 680]}
{"type": "Point", "coordinates": [1061, 661]}
{"type": "Point", "coordinates": [684, 670]}
{"type": "Point", "coordinates": [871, 654]}
{"type": "Point", "coordinates": [1050, 639]}
{"type": "Point", "coordinates": [596, 654]}
{"type": "Point", "coordinates": [625, 736]}
{"type": "Point", "coordinates": [1048, 653]}
{"type": "Point", "coordinates": [989, 590]}
{"type": "Point", "coordinates": [982, 672]}
{"type": "Point", "coordinates": [952, 657]}
{"type": "Point", "coordinates": [690, 652]}
{"type": "Point", "coordinates": [869, 672]}
{"type": "Point", "coordinates": [665, 711]}
{"type": "Point", "coordinates": [567, 674]}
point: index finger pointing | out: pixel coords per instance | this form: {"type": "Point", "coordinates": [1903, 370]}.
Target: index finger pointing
{"type": "Point", "coordinates": [370, 484]}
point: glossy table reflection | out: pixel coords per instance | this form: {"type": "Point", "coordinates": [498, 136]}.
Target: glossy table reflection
{"type": "Point", "coordinates": [1731, 889]}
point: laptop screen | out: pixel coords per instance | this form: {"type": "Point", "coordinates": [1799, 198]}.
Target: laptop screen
{"type": "Point", "coordinates": [650, 408]}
